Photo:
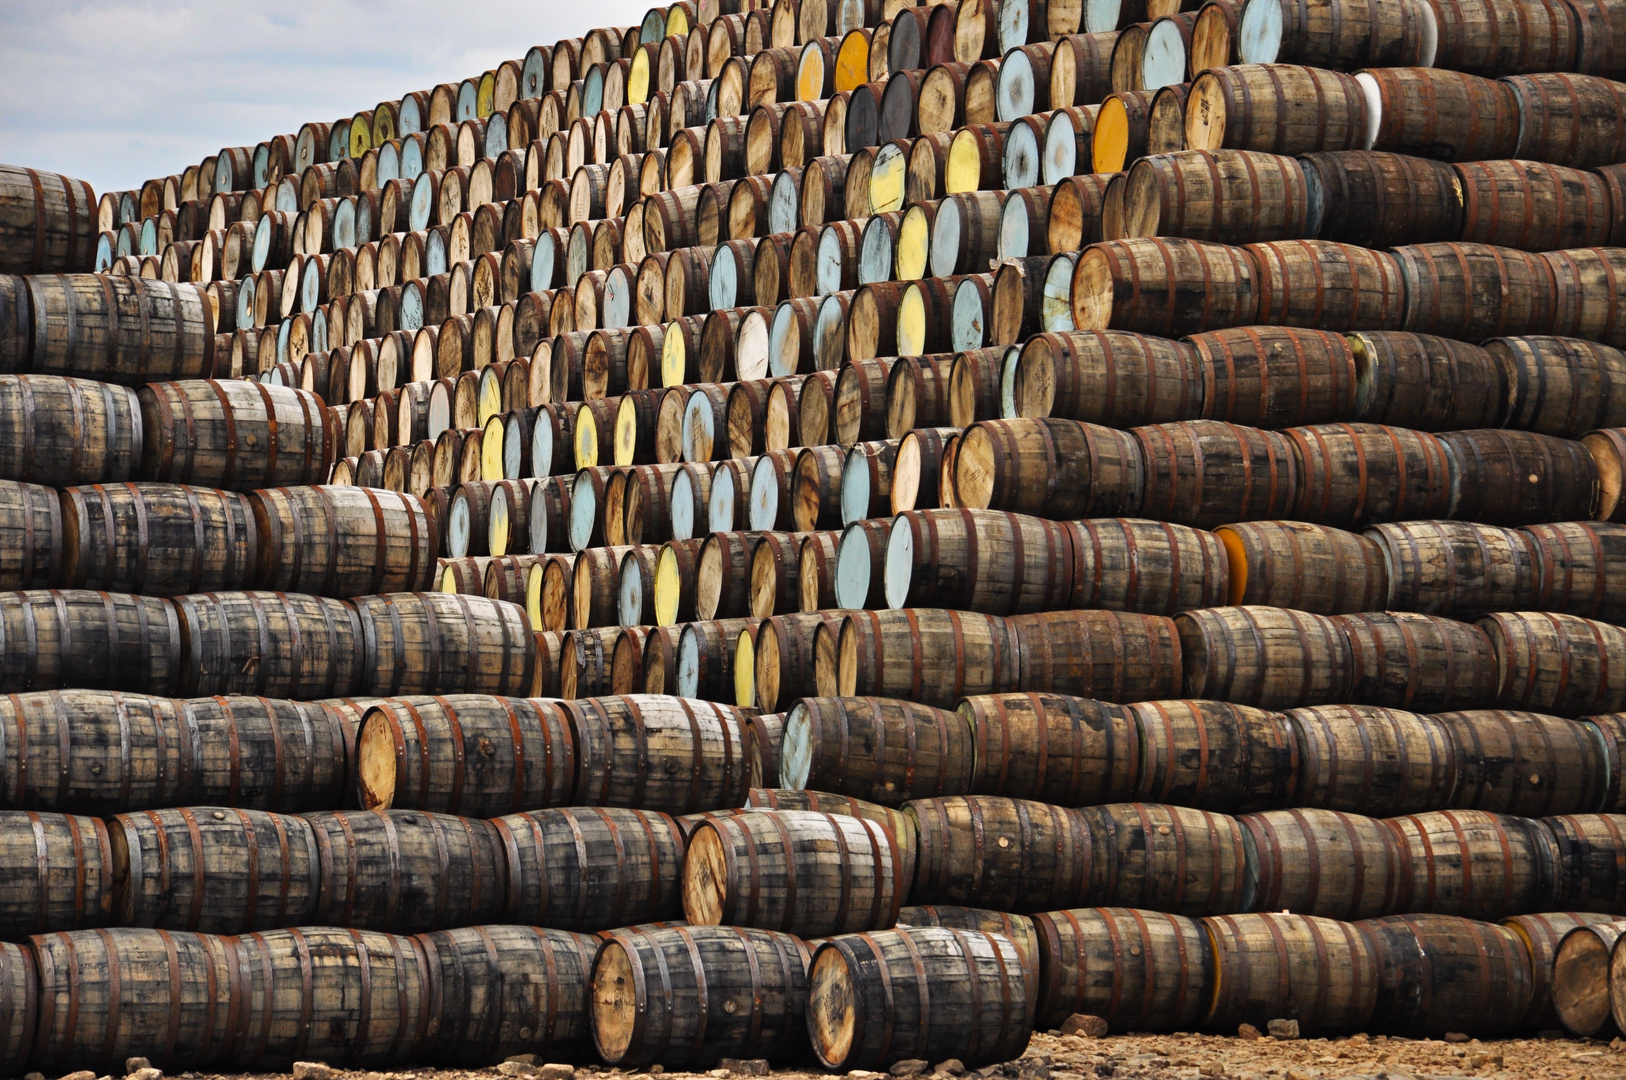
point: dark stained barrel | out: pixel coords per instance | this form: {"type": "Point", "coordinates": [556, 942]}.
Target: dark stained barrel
{"type": "Point", "coordinates": [1067, 751]}
{"type": "Point", "coordinates": [658, 753]}
{"type": "Point", "coordinates": [1589, 875]}
{"type": "Point", "coordinates": [507, 990]}
{"type": "Point", "coordinates": [1425, 663]}
{"type": "Point", "coordinates": [1214, 756]}
{"type": "Point", "coordinates": [878, 749]}
{"type": "Point", "coordinates": [1318, 972]}
{"type": "Point", "coordinates": [427, 643]}
{"type": "Point", "coordinates": [48, 222]}
{"type": "Point", "coordinates": [1166, 858]}
{"type": "Point", "coordinates": [265, 754]}
{"type": "Point", "coordinates": [1207, 472]}
{"type": "Point", "coordinates": [1526, 763]}
{"type": "Point", "coordinates": [1019, 928]}
{"type": "Point", "coordinates": [1352, 475]}
{"type": "Point", "coordinates": [91, 750]}
{"type": "Point", "coordinates": [1137, 970]}
{"type": "Point", "coordinates": [1368, 760]}
{"type": "Point", "coordinates": [1477, 864]}
{"type": "Point", "coordinates": [1521, 477]}
{"type": "Point", "coordinates": [1270, 658]}
{"type": "Point", "coordinates": [1560, 664]}
{"type": "Point", "coordinates": [61, 431]}
{"type": "Point", "coordinates": [902, 826]}
{"type": "Point", "coordinates": [1439, 974]}
{"type": "Point", "coordinates": [157, 539]}
{"type": "Point", "coordinates": [19, 1005]}
{"type": "Point", "coordinates": [1323, 862]}
{"type": "Point", "coordinates": [214, 870]}
{"type": "Point", "coordinates": [121, 329]}
{"type": "Point", "coordinates": [999, 853]}
{"type": "Point", "coordinates": [465, 754]}
{"type": "Point", "coordinates": [1458, 568]}
{"type": "Point", "coordinates": [77, 638]}
{"type": "Point", "coordinates": [592, 868]}
{"type": "Point", "coordinates": [1426, 382]}
{"type": "Point", "coordinates": [30, 535]}
{"type": "Point", "coordinates": [959, 993]}
{"type": "Point", "coordinates": [1294, 564]}
{"type": "Point", "coordinates": [688, 996]}
{"type": "Point", "coordinates": [269, 644]}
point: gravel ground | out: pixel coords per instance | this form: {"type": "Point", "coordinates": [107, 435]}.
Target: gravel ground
{"type": "Point", "coordinates": [1184, 1057]}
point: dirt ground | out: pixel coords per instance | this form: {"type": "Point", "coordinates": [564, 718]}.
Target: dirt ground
{"type": "Point", "coordinates": [1189, 1057]}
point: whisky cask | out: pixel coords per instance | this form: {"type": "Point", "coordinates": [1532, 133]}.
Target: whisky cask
{"type": "Point", "coordinates": [77, 638]}
{"type": "Point", "coordinates": [1066, 751]}
{"type": "Point", "coordinates": [333, 541]}
{"type": "Point", "coordinates": [238, 435]}
{"type": "Point", "coordinates": [1440, 974]}
{"type": "Point", "coordinates": [268, 644]}
{"type": "Point", "coordinates": [1001, 853]}
{"type": "Point", "coordinates": [1324, 863]}
{"type": "Point", "coordinates": [881, 750]}
{"type": "Point", "coordinates": [592, 868]}
{"type": "Point", "coordinates": [1319, 972]}
{"type": "Point", "coordinates": [1166, 858]}
{"type": "Point", "coordinates": [1214, 756]}
{"type": "Point", "coordinates": [62, 431]}
{"type": "Point", "coordinates": [1477, 864]}
{"type": "Point", "coordinates": [1137, 970]}
{"type": "Point", "coordinates": [1295, 564]}
{"type": "Point", "coordinates": [658, 753]}
{"type": "Point", "coordinates": [121, 329]}
{"type": "Point", "coordinates": [60, 873]}
{"type": "Point", "coordinates": [438, 643]}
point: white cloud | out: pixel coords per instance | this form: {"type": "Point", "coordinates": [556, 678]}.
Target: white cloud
{"type": "Point", "coordinates": [117, 92]}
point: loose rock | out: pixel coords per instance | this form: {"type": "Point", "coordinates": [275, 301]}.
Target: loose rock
{"type": "Point", "coordinates": [746, 1066]}
{"type": "Point", "coordinates": [308, 1070]}
{"type": "Point", "coordinates": [1085, 1025]}
{"type": "Point", "coordinates": [909, 1067]}
{"type": "Point", "coordinates": [1283, 1029]}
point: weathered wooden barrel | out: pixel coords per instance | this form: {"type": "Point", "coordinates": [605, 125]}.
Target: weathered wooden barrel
{"type": "Point", "coordinates": [1379, 199]}
{"type": "Point", "coordinates": [77, 638]}
{"type": "Point", "coordinates": [780, 657]}
{"type": "Point", "coordinates": [1588, 878]}
{"type": "Point", "coordinates": [1277, 109]}
{"type": "Point", "coordinates": [1337, 35]}
{"type": "Point", "coordinates": [30, 535]}
{"type": "Point", "coordinates": [1166, 858]}
{"type": "Point", "coordinates": [1426, 382]}
{"type": "Point", "coordinates": [1458, 568]}
{"type": "Point", "coordinates": [1165, 286]}
{"type": "Point", "coordinates": [60, 872]}
{"type": "Point", "coordinates": [1441, 974]}
{"type": "Point", "coordinates": [1274, 377]}
{"type": "Point", "coordinates": [1324, 863]}
{"type": "Point", "coordinates": [157, 539]}
{"type": "Point", "coordinates": [334, 541]}
{"type": "Point", "coordinates": [949, 992]}
{"type": "Point", "coordinates": [106, 995]}
{"type": "Point", "coordinates": [1295, 564]}
{"type": "Point", "coordinates": [421, 643]}
{"type": "Point", "coordinates": [1225, 196]}
{"type": "Point", "coordinates": [1540, 935]}
{"type": "Point", "coordinates": [1019, 928]}
{"type": "Point", "coordinates": [213, 870]}
{"type": "Point", "coordinates": [1564, 118]}
{"type": "Point", "coordinates": [235, 434]}
{"type": "Point", "coordinates": [465, 754]}
{"type": "Point", "coordinates": [750, 986]}
{"type": "Point", "coordinates": [1321, 973]}
{"type": "Point", "coordinates": [1443, 114]}
{"type": "Point", "coordinates": [1559, 664]}
{"type": "Point", "coordinates": [796, 871]}
{"type": "Point", "coordinates": [121, 329]}
{"type": "Point", "coordinates": [1520, 478]}
{"type": "Point", "coordinates": [1477, 864]}
{"type": "Point", "coordinates": [658, 753]}
{"type": "Point", "coordinates": [1105, 377]}
{"type": "Point", "coordinates": [1270, 658]}
{"type": "Point", "coordinates": [261, 753]}
{"type": "Point", "coordinates": [592, 868]}
{"type": "Point", "coordinates": [880, 750]}
{"type": "Point", "coordinates": [1474, 291]}
{"type": "Point", "coordinates": [1051, 468]}
{"type": "Point", "coordinates": [1137, 970]}
{"type": "Point", "coordinates": [1214, 756]}
{"type": "Point", "coordinates": [1527, 763]}
{"type": "Point", "coordinates": [887, 653]}
{"type": "Point", "coordinates": [978, 560]}
{"type": "Point", "coordinates": [270, 644]}
{"type": "Point", "coordinates": [1367, 760]}
{"type": "Point", "coordinates": [506, 990]}
{"type": "Point", "coordinates": [407, 871]}
{"type": "Point", "coordinates": [353, 996]}
{"type": "Point", "coordinates": [1580, 978]}
{"type": "Point", "coordinates": [1532, 205]}
{"type": "Point", "coordinates": [1578, 564]}
{"type": "Point", "coordinates": [1426, 663]}
{"type": "Point", "coordinates": [1114, 656]}
{"type": "Point", "coordinates": [1588, 283]}
{"type": "Point", "coordinates": [1561, 386]}
{"type": "Point", "coordinates": [901, 826]}
{"type": "Point", "coordinates": [48, 222]}
{"type": "Point", "coordinates": [1000, 853]}
{"type": "Point", "coordinates": [1324, 284]}
{"type": "Point", "coordinates": [64, 431]}
{"type": "Point", "coordinates": [1066, 751]}
{"type": "Point", "coordinates": [1352, 475]}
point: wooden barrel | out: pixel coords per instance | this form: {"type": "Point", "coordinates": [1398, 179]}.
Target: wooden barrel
{"type": "Point", "coordinates": [899, 823]}
{"type": "Point", "coordinates": [63, 431]}
{"type": "Point", "coordinates": [1568, 119]}
{"type": "Point", "coordinates": [1323, 863]}
{"type": "Point", "coordinates": [30, 535]}
{"type": "Point", "coordinates": [234, 434]}
{"type": "Point", "coordinates": [1520, 478]}
{"type": "Point", "coordinates": [1579, 569]}
{"type": "Point", "coordinates": [423, 643]}
{"type": "Point", "coordinates": [1132, 564]}
{"type": "Point", "coordinates": [1019, 928]}
{"type": "Point", "coordinates": [1559, 664]}
{"type": "Point", "coordinates": [1532, 206]}
{"type": "Point", "coordinates": [1562, 386]}
{"type": "Point", "coordinates": [1476, 291]}
{"type": "Point", "coordinates": [1066, 751]}
{"type": "Point", "coordinates": [1225, 196]}
{"type": "Point", "coordinates": [1318, 972]}
{"type": "Point", "coordinates": [1110, 655]}
{"type": "Point", "coordinates": [334, 541]}
{"type": "Point", "coordinates": [407, 871]}
{"type": "Point", "coordinates": [506, 990]}
{"type": "Point", "coordinates": [257, 753]}
{"type": "Point", "coordinates": [978, 560]}
{"type": "Point", "coordinates": [1275, 377]}
{"type": "Point", "coordinates": [1270, 658]}
{"type": "Point", "coordinates": [1458, 568]}
{"type": "Point", "coordinates": [1137, 970]}
{"type": "Point", "coordinates": [1426, 663]}
{"type": "Point", "coordinates": [1000, 853]}
{"type": "Point", "coordinates": [1214, 756]}
{"type": "Point", "coordinates": [1540, 935]}
{"type": "Point", "coordinates": [157, 539]}
{"type": "Point", "coordinates": [880, 750]}
{"type": "Point", "coordinates": [658, 753]}
{"type": "Point", "coordinates": [887, 654]}
{"type": "Point", "coordinates": [1580, 978]}
{"type": "Point", "coordinates": [270, 644]}
{"type": "Point", "coordinates": [121, 329]}
{"type": "Point", "coordinates": [465, 754]}
{"type": "Point", "coordinates": [795, 871]}
{"type": "Point", "coordinates": [1105, 377]}
{"type": "Point", "coordinates": [1167, 287]}
{"type": "Point", "coordinates": [48, 222]}
{"type": "Point", "coordinates": [1588, 875]}
{"type": "Point", "coordinates": [355, 998]}
{"type": "Point", "coordinates": [1166, 858]}
{"type": "Point", "coordinates": [1320, 283]}
{"type": "Point", "coordinates": [1442, 974]}
{"type": "Point", "coordinates": [1294, 564]}
{"type": "Point", "coordinates": [1442, 114]}
{"type": "Point", "coordinates": [1052, 468]}
{"type": "Point", "coordinates": [1277, 109]}
{"type": "Point", "coordinates": [1426, 382]}
{"type": "Point", "coordinates": [959, 993]}
{"type": "Point", "coordinates": [1352, 475]}
{"type": "Point", "coordinates": [77, 638]}
{"type": "Point", "coordinates": [1367, 760]}
{"type": "Point", "coordinates": [1337, 35]}
{"type": "Point", "coordinates": [214, 870]}
{"type": "Point", "coordinates": [60, 872]}
{"type": "Point", "coordinates": [1477, 864]}
{"type": "Point", "coordinates": [1379, 199]}
{"type": "Point", "coordinates": [750, 987]}
{"type": "Point", "coordinates": [106, 995]}
{"type": "Point", "coordinates": [1588, 286]}
{"type": "Point", "coordinates": [1526, 763]}
{"type": "Point", "coordinates": [592, 868]}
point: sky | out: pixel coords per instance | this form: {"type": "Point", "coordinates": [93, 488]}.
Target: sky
{"type": "Point", "coordinates": [119, 91]}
